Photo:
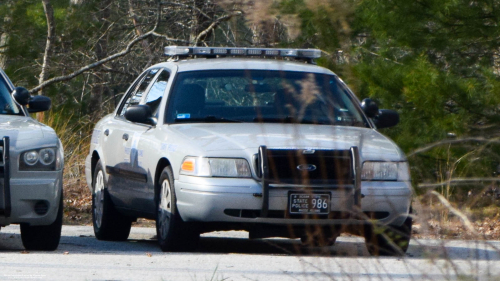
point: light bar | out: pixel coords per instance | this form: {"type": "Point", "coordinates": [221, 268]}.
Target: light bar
{"type": "Point", "coordinates": [226, 51]}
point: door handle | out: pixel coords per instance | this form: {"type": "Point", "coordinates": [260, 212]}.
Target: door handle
{"type": "Point", "coordinates": [106, 132]}
{"type": "Point", "coordinates": [125, 137]}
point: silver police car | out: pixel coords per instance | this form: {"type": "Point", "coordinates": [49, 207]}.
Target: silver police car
{"type": "Point", "coordinates": [31, 169]}
{"type": "Point", "coordinates": [261, 140]}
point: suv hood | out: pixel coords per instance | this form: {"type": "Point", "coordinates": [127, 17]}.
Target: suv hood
{"type": "Point", "coordinates": [219, 137]}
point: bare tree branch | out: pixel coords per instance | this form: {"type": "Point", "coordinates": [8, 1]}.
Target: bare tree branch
{"type": "Point", "coordinates": [51, 32]}
{"type": "Point", "coordinates": [93, 65]}
{"type": "Point", "coordinates": [378, 55]}
{"type": "Point", "coordinates": [214, 25]}
{"type": "Point", "coordinates": [189, 7]}
{"type": "Point", "coordinates": [454, 141]}
{"type": "Point", "coordinates": [458, 181]}
{"type": "Point", "coordinates": [166, 38]}
{"type": "Point", "coordinates": [459, 214]}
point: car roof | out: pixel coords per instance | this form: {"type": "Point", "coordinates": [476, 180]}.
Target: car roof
{"type": "Point", "coordinates": [243, 63]}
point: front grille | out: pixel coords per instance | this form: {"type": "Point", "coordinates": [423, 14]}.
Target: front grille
{"type": "Point", "coordinates": [307, 167]}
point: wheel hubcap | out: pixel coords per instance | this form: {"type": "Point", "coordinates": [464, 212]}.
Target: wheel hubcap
{"type": "Point", "coordinates": [98, 198]}
{"type": "Point", "coordinates": [164, 209]}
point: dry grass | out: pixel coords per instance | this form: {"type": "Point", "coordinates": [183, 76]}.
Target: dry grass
{"type": "Point", "coordinates": [75, 137]}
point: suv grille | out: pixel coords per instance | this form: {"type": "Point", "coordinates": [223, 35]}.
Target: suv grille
{"type": "Point", "coordinates": [306, 167]}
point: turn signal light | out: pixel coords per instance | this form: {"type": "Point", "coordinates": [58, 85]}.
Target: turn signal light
{"type": "Point", "coordinates": [188, 165]}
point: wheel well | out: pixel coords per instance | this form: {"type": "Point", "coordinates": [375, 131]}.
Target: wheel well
{"type": "Point", "coordinates": [95, 159]}
{"type": "Point", "coordinates": [162, 163]}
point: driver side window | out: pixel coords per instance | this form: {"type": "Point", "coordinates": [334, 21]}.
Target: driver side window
{"type": "Point", "coordinates": [156, 92]}
{"type": "Point", "coordinates": [136, 94]}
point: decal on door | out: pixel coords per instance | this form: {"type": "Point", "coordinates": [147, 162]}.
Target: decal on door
{"type": "Point", "coordinates": [135, 156]}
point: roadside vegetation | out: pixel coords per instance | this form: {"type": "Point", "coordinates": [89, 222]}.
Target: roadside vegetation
{"type": "Point", "coordinates": [437, 62]}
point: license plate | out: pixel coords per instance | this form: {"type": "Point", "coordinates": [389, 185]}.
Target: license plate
{"type": "Point", "coordinates": [309, 203]}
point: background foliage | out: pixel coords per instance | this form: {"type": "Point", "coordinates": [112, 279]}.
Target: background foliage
{"type": "Point", "coordinates": [437, 62]}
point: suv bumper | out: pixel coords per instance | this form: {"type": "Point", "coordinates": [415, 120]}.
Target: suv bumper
{"type": "Point", "coordinates": [26, 194]}
{"type": "Point", "coordinates": [235, 200]}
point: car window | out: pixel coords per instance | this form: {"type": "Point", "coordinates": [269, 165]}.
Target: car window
{"type": "Point", "coordinates": [7, 105]}
{"type": "Point", "coordinates": [262, 96]}
{"type": "Point", "coordinates": [156, 92]}
{"type": "Point", "coordinates": [135, 96]}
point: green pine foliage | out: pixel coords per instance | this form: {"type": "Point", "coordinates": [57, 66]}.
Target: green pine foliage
{"type": "Point", "coordinates": [437, 62]}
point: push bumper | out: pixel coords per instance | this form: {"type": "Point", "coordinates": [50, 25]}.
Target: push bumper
{"type": "Point", "coordinates": [219, 200]}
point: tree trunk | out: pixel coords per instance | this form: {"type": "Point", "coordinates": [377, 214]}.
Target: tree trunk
{"type": "Point", "coordinates": [4, 38]}
{"type": "Point", "coordinates": [51, 31]}
{"type": "Point", "coordinates": [101, 51]}
{"type": "Point", "coordinates": [139, 32]}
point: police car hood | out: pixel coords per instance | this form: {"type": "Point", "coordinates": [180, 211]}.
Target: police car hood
{"type": "Point", "coordinates": [23, 129]}
{"type": "Point", "coordinates": [219, 137]}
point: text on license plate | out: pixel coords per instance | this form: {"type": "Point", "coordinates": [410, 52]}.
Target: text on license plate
{"type": "Point", "coordinates": [303, 203]}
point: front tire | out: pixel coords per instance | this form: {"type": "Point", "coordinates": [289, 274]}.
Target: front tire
{"type": "Point", "coordinates": [43, 237]}
{"type": "Point", "coordinates": [108, 223]}
{"type": "Point", "coordinates": [173, 233]}
{"type": "Point", "coordinates": [389, 240]}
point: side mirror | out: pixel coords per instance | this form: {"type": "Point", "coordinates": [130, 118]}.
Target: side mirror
{"type": "Point", "coordinates": [21, 95]}
{"type": "Point", "coordinates": [140, 114]}
{"type": "Point", "coordinates": [386, 118]}
{"type": "Point", "coordinates": [370, 107]}
{"type": "Point", "coordinates": [39, 104]}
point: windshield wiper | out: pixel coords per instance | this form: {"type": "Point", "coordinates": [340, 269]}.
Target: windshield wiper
{"type": "Point", "coordinates": [208, 119]}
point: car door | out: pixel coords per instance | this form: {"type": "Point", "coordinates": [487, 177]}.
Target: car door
{"type": "Point", "coordinates": [120, 147]}
{"type": "Point", "coordinates": [144, 149]}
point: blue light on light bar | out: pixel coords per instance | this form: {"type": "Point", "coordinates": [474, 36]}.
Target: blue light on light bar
{"type": "Point", "coordinates": [272, 52]}
{"type": "Point", "coordinates": [254, 52]}
{"type": "Point", "coordinates": [237, 51]}
{"type": "Point", "coordinates": [223, 51]}
{"type": "Point", "coordinates": [220, 51]}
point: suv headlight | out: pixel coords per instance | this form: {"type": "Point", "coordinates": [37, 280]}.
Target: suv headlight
{"type": "Point", "coordinates": [216, 167]}
{"type": "Point", "coordinates": [41, 159]}
{"type": "Point", "coordinates": [388, 171]}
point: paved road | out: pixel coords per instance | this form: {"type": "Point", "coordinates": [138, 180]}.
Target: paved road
{"type": "Point", "coordinates": [231, 256]}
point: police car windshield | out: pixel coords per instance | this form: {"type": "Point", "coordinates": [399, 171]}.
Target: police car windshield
{"type": "Point", "coordinates": [262, 96]}
{"type": "Point", "coordinates": [7, 105]}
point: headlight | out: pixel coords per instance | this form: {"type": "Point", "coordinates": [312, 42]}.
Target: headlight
{"type": "Point", "coordinates": [31, 158]}
{"type": "Point", "coordinates": [42, 159]}
{"type": "Point", "coordinates": [47, 156]}
{"type": "Point", "coordinates": [390, 171]}
{"type": "Point", "coordinates": [216, 167]}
